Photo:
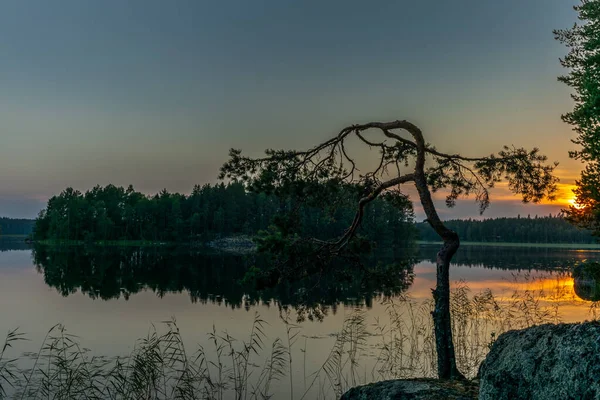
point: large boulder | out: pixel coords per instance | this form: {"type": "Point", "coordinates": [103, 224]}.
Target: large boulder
{"type": "Point", "coordinates": [234, 244]}
{"type": "Point", "coordinates": [586, 281]}
{"type": "Point", "coordinates": [544, 362]}
{"type": "Point", "coordinates": [413, 389]}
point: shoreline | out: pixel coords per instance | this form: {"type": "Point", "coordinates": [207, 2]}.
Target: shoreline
{"type": "Point", "coordinates": [569, 246]}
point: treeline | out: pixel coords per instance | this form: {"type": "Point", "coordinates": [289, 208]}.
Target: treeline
{"type": "Point", "coordinates": [15, 226]}
{"type": "Point", "coordinates": [550, 229]}
{"type": "Point", "coordinates": [515, 258]}
{"type": "Point", "coordinates": [114, 213]}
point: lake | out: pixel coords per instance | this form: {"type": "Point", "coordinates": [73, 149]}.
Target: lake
{"type": "Point", "coordinates": [111, 297]}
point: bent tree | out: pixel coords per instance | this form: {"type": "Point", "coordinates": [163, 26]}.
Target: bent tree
{"type": "Point", "coordinates": [403, 158]}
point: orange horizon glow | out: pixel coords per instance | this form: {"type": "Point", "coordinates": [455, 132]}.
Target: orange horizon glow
{"type": "Point", "coordinates": [564, 195]}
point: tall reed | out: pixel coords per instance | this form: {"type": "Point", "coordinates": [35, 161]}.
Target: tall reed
{"type": "Point", "coordinates": [398, 345]}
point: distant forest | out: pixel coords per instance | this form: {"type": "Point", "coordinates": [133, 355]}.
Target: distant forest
{"type": "Point", "coordinates": [550, 229]}
{"type": "Point", "coordinates": [14, 226]}
{"type": "Point", "coordinates": [115, 213]}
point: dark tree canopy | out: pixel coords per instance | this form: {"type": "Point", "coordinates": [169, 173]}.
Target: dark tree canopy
{"type": "Point", "coordinates": [16, 226]}
{"type": "Point", "coordinates": [115, 213]}
{"type": "Point", "coordinates": [522, 229]}
{"type": "Point", "coordinates": [403, 157]}
{"type": "Point", "coordinates": [583, 63]}
{"type": "Point", "coordinates": [330, 165]}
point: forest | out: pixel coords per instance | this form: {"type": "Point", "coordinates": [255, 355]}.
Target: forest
{"type": "Point", "coordinates": [549, 229]}
{"type": "Point", "coordinates": [16, 226]}
{"type": "Point", "coordinates": [114, 213]}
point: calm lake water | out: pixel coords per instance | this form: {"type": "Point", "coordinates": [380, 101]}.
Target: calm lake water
{"type": "Point", "coordinates": [111, 297]}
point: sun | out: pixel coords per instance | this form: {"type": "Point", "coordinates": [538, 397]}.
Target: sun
{"type": "Point", "coordinates": [573, 202]}
{"type": "Point", "coordinates": [565, 196]}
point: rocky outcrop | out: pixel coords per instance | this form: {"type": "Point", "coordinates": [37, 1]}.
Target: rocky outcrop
{"type": "Point", "coordinates": [234, 244]}
{"type": "Point", "coordinates": [544, 362]}
{"type": "Point", "coordinates": [586, 281]}
{"type": "Point", "coordinates": [413, 389]}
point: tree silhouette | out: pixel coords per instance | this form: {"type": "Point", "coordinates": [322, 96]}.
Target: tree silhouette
{"type": "Point", "coordinates": [404, 158]}
{"type": "Point", "coordinates": [583, 41]}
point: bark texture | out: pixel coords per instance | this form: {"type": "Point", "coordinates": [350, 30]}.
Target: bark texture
{"type": "Point", "coordinates": [441, 294]}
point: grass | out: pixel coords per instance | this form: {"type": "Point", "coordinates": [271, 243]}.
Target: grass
{"type": "Point", "coordinates": [398, 345]}
{"type": "Point", "coordinates": [158, 368]}
{"type": "Point", "coordinates": [576, 246]}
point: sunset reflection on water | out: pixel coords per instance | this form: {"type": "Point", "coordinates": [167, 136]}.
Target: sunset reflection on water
{"type": "Point", "coordinates": [526, 286]}
{"type": "Point", "coordinates": [550, 288]}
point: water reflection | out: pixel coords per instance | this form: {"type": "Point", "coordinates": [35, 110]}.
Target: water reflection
{"type": "Point", "coordinates": [515, 258]}
{"type": "Point", "coordinates": [108, 273]}
{"type": "Point", "coordinates": [8, 243]}
{"type": "Point", "coordinates": [586, 281]}
{"type": "Point", "coordinates": [527, 285]}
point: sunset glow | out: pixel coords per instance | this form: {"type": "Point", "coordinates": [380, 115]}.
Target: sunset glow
{"type": "Point", "coordinates": [289, 200]}
{"type": "Point", "coordinates": [564, 195]}
{"type": "Point", "coordinates": [573, 203]}
{"type": "Point", "coordinates": [97, 118]}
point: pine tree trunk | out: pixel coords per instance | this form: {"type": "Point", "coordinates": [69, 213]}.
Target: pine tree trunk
{"type": "Point", "coordinates": [441, 314]}
{"type": "Point", "coordinates": [441, 294]}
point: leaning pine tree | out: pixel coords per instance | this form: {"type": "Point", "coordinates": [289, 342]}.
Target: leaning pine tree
{"type": "Point", "coordinates": [404, 158]}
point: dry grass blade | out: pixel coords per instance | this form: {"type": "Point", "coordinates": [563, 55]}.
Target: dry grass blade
{"type": "Point", "coordinates": [397, 345]}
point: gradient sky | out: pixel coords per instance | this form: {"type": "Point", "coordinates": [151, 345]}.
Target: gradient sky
{"type": "Point", "coordinates": [153, 93]}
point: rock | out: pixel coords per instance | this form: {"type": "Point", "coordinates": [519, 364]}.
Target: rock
{"type": "Point", "coordinates": [586, 281]}
{"type": "Point", "coordinates": [543, 362]}
{"type": "Point", "coordinates": [234, 244]}
{"type": "Point", "coordinates": [413, 389]}
{"type": "Point", "coordinates": [587, 289]}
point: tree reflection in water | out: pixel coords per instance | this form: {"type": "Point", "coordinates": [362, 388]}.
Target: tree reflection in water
{"type": "Point", "coordinates": [586, 281]}
{"type": "Point", "coordinates": [115, 272]}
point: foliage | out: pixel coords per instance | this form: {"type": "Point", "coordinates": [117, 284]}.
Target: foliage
{"type": "Point", "coordinates": [158, 368]}
{"type": "Point", "coordinates": [8, 368]}
{"type": "Point", "coordinates": [107, 273]}
{"type": "Point", "coordinates": [583, 63]}
{"type": "Point", "coordinates": [549, 229]}
{"type": "Point", "coordinates": [404, 157]}
{"type": "Point", "coordinates": [113, 213]}
{"type": "Point", "coordinates": [320, 174]}
{"type": "Point", "coordinates": [330, 165]}
{"type": "Point", "coordinates": [16, 226]}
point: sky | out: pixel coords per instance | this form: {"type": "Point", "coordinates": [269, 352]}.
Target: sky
{"type": "Point", "coordinates": [153, 93]}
